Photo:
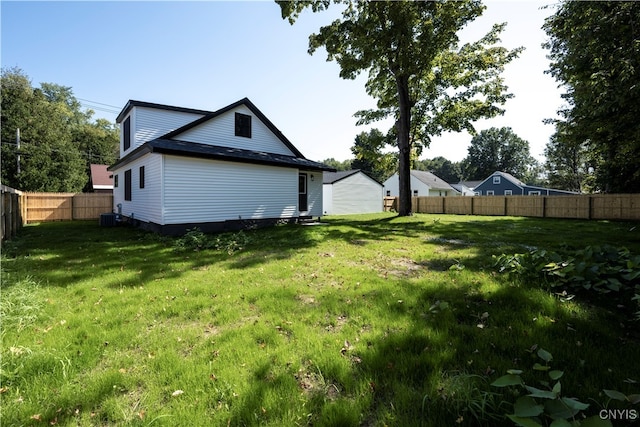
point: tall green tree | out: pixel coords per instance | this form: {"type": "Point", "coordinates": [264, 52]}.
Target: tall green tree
{"type": "Point", "coordinates": [418, 73]}
{"type": "Point", "coordinates": [499, 149]}
{"type": "Point", "coordinates": [57, 138]}
{"type": "Point", "coordinates": [337, 164]}
{"type": "Point", "coordinates": [595, 55]}
{"type": "Point", "coordinates": [568, 165]}
{"type": "Point", "coordinates": [369, 155]}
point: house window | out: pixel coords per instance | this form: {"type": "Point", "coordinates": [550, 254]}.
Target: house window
{"type": "Point", "coordinates": [243, 125]}
{"type": "Point", "coordinates": [490, 193]}
{"type": "Point", "coordinates": [141, 176]}
{"type": "Point", "coordinates": [496, 180]}
{"type": "Point", "coordinates": [508, 192]}
{"type": "Point", "coordinates": [534, 193]}
{"type": "Point", "coordinates": [415, 193]}
{"type": "Point", "coordinates": [115, 181]}
{"type": "Point", "coordinates": [127, 184]}
{"type": "Point", "coordinates": [477, 193]}
{"type": "Point", "coordinates": [388, 193]}
{"type": "Point", "coordinates": [126, 131]}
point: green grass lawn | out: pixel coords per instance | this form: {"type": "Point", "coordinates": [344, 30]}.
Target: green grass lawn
{"type": "Point", "coordinates": [364, 320]}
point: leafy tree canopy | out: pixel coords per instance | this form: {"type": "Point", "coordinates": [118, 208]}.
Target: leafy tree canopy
{"type": "Point", "coordinates": [595, 55]}
{"type": "Point", "coordinates": [58, 141]}
{"type": "Point", "coordinates": [442, 168]}
{"type": "Point", "coordinates": [418, 73]}
{"type": "Point", "coordinates": [499, 149]}
{"type": "Point", "coordinates": [369, 155]}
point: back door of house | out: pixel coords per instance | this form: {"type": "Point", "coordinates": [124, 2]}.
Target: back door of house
{"type": "Point", "coordinates": [302, 192]}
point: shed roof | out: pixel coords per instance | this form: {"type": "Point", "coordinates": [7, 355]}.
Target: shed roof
{"type": "Point", "coordinates": [333, 177]}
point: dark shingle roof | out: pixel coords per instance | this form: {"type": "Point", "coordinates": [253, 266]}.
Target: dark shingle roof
{"type": "Point", "coordinates": [216, 152]}
{"type": "Point", "coordinates": [133, 103]}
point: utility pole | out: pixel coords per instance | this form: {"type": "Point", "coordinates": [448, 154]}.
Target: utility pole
{"type": "Point", "coordinates": [18, 150]}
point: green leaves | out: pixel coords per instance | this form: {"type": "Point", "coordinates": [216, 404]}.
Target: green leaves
{"type": "Point", "coordinates": [600, 269]}
{"type": "Point", "coordinates": [417, 72]}
{"type": "Point", "coordinates": [594, 51]}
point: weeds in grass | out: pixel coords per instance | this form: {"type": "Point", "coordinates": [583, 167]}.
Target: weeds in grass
{"type": "Point", "coordinates": [20, 304]}
{"type": "Point", "coordinates": [195, 240]}
{"type": "Point", "coordinates": [301, 326]}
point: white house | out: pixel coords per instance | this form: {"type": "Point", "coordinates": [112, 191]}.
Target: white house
{"type": "Point", "coordinates": [350, 192]}
{"type": "Point", "coordinates": [181, 168]}
{"type": "Point", "coordinates": [422, 184]}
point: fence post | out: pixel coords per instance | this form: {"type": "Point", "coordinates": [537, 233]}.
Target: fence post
{"type": "Point", "coordinates": [544, 206]}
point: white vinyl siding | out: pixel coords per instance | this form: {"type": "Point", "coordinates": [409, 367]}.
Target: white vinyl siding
{"type": "Point", "coordinates": [150, 123]}
{"type": "Point", "coordinates": [355, 194]}
{"type": "Point", "coordinates": [144, 201]}
{"type": "Point", "coordinates": [221, 131]}
{"type": "Point", "coordinates": [199, 190]}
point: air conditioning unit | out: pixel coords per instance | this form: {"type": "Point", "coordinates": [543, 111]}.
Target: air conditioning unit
{"type": "Point", "coordinates": [107, 220]}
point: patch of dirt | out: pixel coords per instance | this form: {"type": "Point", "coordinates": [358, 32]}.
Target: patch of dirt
{"type": "Point", "coordinates": [306, 299]}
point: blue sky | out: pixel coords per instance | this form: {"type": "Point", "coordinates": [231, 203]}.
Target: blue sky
{"type": "Point", "coordinates": [207, 55]}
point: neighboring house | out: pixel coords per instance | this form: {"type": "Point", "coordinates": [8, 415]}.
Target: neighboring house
{"type": "Point", "coordinates": [504, 184]}
{"type": "Point", "coordinates": [466, 187]}
{"type": "Point", "coordinates": [181, 168]}
{"type": "Point", "coordinates": [100, 180]}
{"type": "Point", "coordinates": [422, 184]}
{"type": "Point", "coordinates": [350, 192]}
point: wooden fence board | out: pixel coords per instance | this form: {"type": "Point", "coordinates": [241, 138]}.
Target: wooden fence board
{"type": "Point", "coordinates": [43, 207]}
{"type": "Point", "coordinates": [524, 206]}
{"type": "Point", "coordinates": [584, 206]}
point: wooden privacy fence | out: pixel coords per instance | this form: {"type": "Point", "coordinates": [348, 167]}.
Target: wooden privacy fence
{"type": "Point", "coordinates": [583, 206]}
{"type": "Point", "coordinates": [42, 207]}
{"type": "Point", "coordinates": [11, 211]}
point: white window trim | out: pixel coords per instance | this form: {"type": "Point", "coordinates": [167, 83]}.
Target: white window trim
{"type": "Point", "coordinates": [508, 192]}
{"type": "Point", "coordinates": [534, 193]}
{"type": "Point", "coordinates": [496, 180]}
{"type": "Point", "coordinates": [490, 193]}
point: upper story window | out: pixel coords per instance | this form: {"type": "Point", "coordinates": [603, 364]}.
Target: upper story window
{"type": "Point", "coordinates": [126, 133]}
{"type": "Point", "coordinates": [141, 176]}
{"type": "Point", "coordinates": [496, 180]}
{"type": "Point", "coordinates": [508, 192]}
{"type": "Point", "coordinates": [243, 125]}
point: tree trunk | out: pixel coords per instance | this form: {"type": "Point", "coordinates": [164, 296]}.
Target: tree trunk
{"type": "Point", "coordinates": [404, 147]}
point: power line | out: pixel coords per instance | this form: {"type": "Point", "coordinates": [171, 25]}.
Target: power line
{"type": "Point", "coordinates": [99, 103]}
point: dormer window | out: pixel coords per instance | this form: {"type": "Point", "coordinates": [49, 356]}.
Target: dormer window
{"type": "Point", "coordinates": [496, 180]}
{"type": "Point", "coordinates": [243, 125]}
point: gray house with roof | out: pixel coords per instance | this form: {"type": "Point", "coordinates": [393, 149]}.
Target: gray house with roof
{"type": "Point", "coordinates": [181, 168]}
{"type": "Point", "coordinates": [423, 183]}
{"type": "Point", "coordinates": [505, 184]}
{"type": "Point", "coordinates": [350, 192]}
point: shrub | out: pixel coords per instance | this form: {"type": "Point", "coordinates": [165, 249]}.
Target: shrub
{"type": "Point", "coordinates": [196, 240]}
{"type": "Point", "coordinates": [595, 269]}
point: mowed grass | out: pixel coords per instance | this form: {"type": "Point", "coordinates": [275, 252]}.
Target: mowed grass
{"type": "Point", "coordinates": [364, 320]}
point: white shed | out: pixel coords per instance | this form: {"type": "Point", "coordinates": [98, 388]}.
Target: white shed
{"type": "Point", "coordinates": [422, 184]}
{"type": "Point", "coordinates": [350, 192]}
{"type": "Point", "coordinates": [181, 168]}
